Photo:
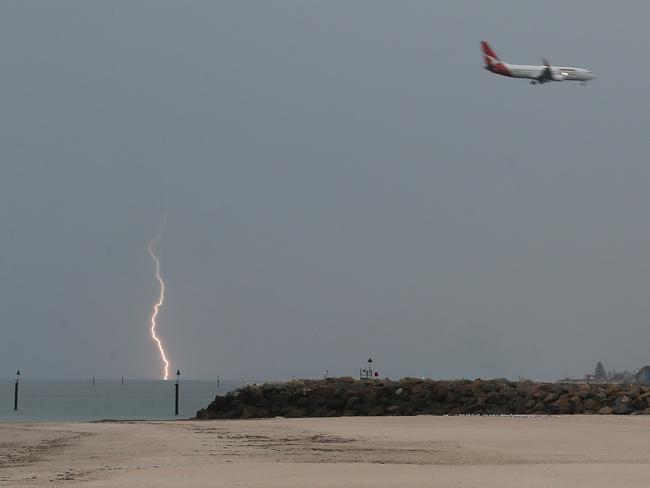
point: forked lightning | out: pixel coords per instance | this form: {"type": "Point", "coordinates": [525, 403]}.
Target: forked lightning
{"type": "Point", "coordinates": [161, 299]}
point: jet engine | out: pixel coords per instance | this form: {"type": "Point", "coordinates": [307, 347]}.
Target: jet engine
{"type": "Point", "coordinates": [557, 75]}
{"type": "Point", "coordinates": [550, 73]}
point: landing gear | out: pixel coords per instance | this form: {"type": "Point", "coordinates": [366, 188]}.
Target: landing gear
{"type": "Point", "coordinates": [533, 82]}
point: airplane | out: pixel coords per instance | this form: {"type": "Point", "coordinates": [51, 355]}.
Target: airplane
{"type": "Point", "coordinates": [536, 74]}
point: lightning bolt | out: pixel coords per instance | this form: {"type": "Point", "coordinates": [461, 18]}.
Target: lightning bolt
{"type": "Point", "coordinates": [161, 298]}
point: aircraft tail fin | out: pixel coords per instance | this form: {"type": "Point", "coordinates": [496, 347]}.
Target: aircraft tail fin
{"type": "Point", "coordinates": [489, 56]}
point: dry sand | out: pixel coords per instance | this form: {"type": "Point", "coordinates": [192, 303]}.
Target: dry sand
{"type": "Point", "coordinates": [373, 452]}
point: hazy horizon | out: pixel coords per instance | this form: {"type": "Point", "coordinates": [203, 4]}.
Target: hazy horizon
{"type": "Point", "coordinates": [341, 180]}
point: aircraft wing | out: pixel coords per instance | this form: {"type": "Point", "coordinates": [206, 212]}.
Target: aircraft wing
{"type": "Point", "coordinates": [547, 73]}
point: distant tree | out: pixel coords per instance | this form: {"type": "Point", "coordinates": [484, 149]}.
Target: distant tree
{"type": "Point", "coordinates": [600, 373]}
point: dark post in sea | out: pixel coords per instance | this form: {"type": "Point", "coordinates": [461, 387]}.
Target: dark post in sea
{"type": "Point", "coordinates": [16, 390]}
{"type": "Point", "coordinates": [178, 379]}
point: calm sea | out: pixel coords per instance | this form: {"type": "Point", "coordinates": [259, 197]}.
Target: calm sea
{"type": "Point", "coordinates": [78, 400]}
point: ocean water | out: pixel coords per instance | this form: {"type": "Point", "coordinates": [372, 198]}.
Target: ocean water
{"type": "Point", "coordinates": [79, 400]}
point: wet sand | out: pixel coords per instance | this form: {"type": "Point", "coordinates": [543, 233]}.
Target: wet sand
{"type": "Point", "coordinates": [576, 451]}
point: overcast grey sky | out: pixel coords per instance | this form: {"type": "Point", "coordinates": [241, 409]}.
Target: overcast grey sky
{"type": "Point", "coordinates": [341, 179]}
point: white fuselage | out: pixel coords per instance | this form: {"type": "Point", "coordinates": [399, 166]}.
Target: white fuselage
{"type": "Point", "coordinates": [533, 72]}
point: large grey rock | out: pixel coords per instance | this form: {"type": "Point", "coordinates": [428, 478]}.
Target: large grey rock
{"type": "Point", "coordinates": [412, 396]}
{"type": "Point", "coordinates": [622, 405]}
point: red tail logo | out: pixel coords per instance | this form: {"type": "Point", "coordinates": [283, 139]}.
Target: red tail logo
{"type": "Point", "coordinates": [489, 56]}
{"type": "Point", "coordinates": [492, 61]}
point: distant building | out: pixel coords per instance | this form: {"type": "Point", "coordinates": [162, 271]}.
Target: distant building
{"type": "Point", "coordinates": [643, 375]}
{"type": "Point", "coordinates": [624, 377]}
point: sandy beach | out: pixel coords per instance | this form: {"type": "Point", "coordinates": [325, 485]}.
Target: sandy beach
{"type": "Point", "coordinates": [591, 451]}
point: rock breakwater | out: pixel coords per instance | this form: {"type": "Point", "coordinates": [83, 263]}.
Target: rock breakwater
{"type": "Point", "coordinates": [333, 397]}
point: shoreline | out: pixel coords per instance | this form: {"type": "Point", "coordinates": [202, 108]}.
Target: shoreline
{"type": "Point", "coordinates": [490, 451]}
